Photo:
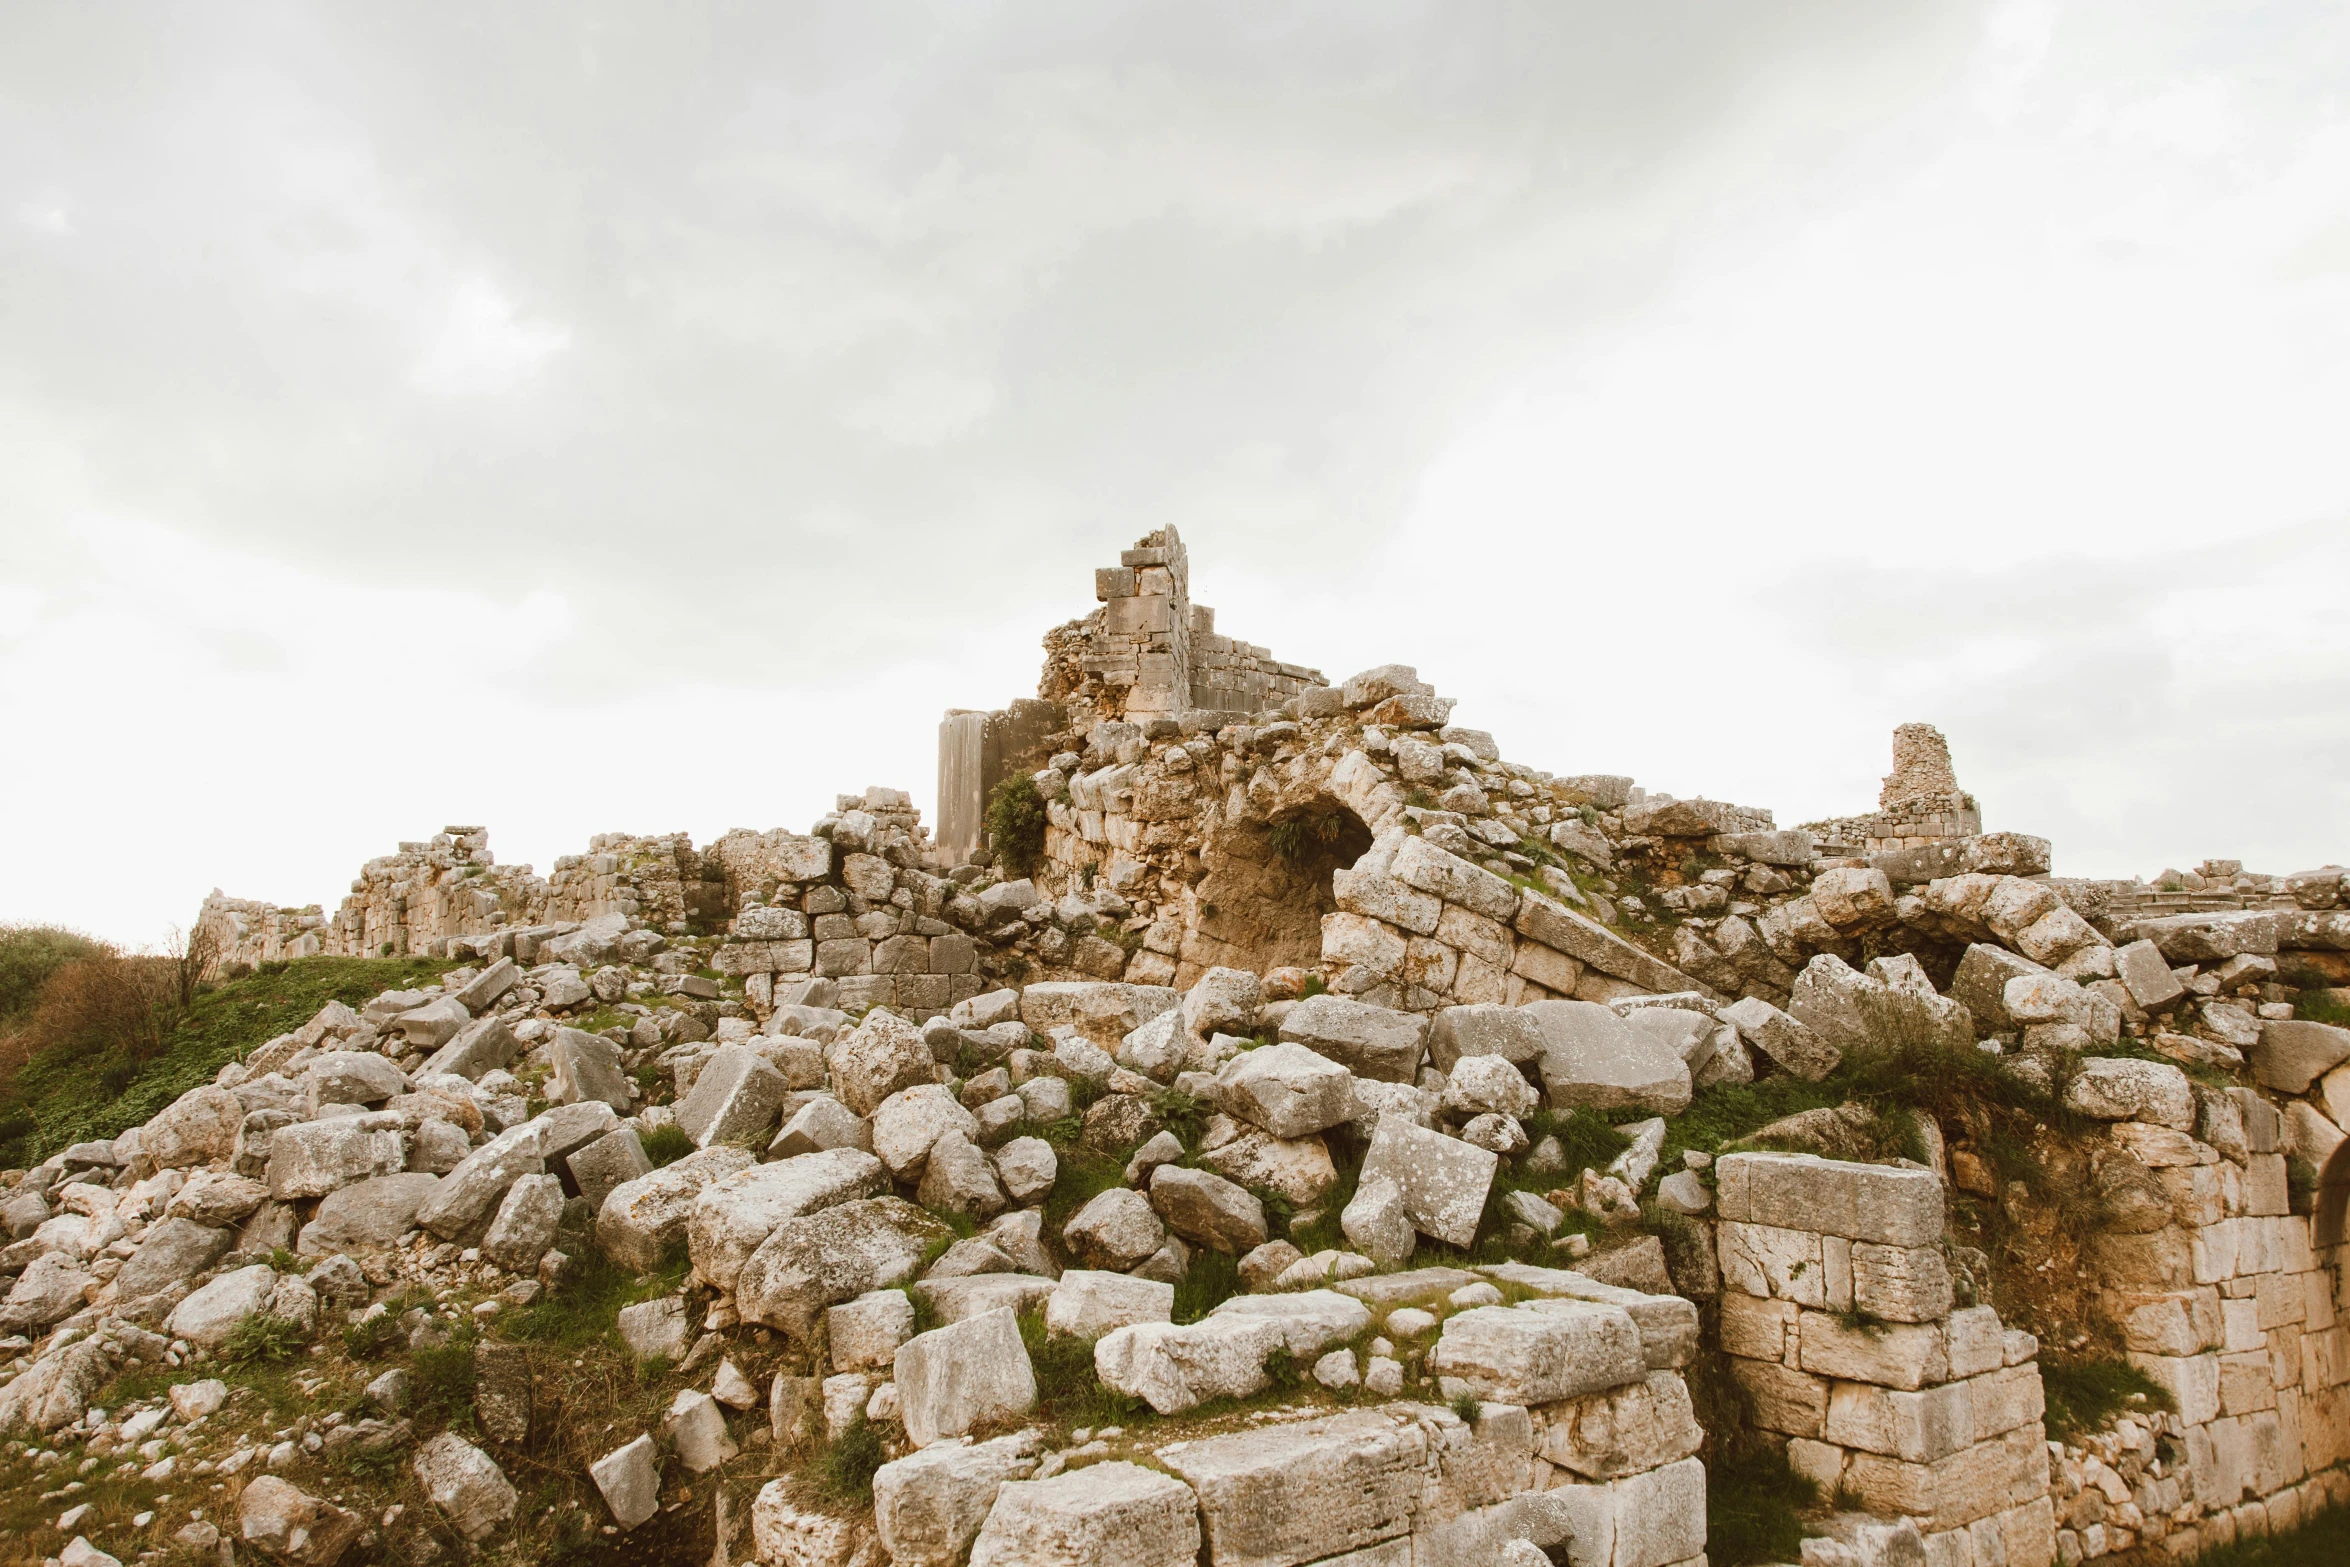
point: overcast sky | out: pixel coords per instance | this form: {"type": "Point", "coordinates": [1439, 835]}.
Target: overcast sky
{"type": "Point", "coordinates": [577, 417]}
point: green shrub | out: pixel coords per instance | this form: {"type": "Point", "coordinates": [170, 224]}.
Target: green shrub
{"type": "Point", "coordinates": [29, 954]}
{"type": "Point", "coordinates": [2320, 1006]}
{"type": "Point", "coordinates": [2317, 1543]}
{"type": "Point", "coordinates": [371, 1338]}
{"type": "Point", "coordinates": [1212, 1279]}
{"type": "Point", "coordinates": [1587, 1141]}
{"type": "Point", "coordinates": [1067, 1387]}
{"type": "Point", "coordinates": [667, 1144]}
{"type": "Point", "coordinates": [1306, 836]}
{"type": "Point", "coordinates": [1754, 1505]}
{"type": "Point", "coordinates": [2084, 1394]}
{"type": "Point", "coordinates": [1015, 824]}
{"type": "Point", "coordinates": [844, 1466]}
{"type": "Point", "coordinates": [441, 1379]}
{"type": "Point", "coordinates": [261, 1339]}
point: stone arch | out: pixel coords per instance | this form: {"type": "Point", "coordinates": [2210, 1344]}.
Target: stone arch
{"type": "Point", "coordinates": [1267, 886]}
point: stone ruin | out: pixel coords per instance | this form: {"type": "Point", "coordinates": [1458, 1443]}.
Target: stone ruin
{"type": "Point", "coordinates": [1349, 935]}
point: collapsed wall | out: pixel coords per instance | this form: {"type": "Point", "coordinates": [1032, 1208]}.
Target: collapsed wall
{"type": "Point", "coordinates": [1340, 880]}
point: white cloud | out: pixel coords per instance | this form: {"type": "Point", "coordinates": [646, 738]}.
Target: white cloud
{"type": "Point", "coordinates": [483, 347]}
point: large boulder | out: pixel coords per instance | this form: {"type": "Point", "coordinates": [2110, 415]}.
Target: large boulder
{"type": "Point", "coordinates": [736, 1098]}
{"type": "Point", "coordinates": [170, 1251]}
{"type": "Point", "coordinates": [733, 1215]}
{"type": "Point", "coordinates": [2292, 1054]}
{"type": "Point", "coordinates": [878, 1058]}
{"type": "Point", "coordinates": [208, 1316]}
{"type": "Point", "coordinates": [199, 1127]}
{"type": "Point", "coordinates": [1174, 1368]}
{"type": "Point", "coordinates": [366, 1216]}
{"type": "Point", "coordinates": [466, 1484]}
{"type": "Point", "coordinates": [1208, 1210]}
{"type": "Point", "coordinates": [1790, 1044]}
{"type": "Point", "coordinates": [586, 1067]}
{"type": "Point", "coordinates": [51, 1288]}
{"type": "Point", "coordinates": [1564, 1349]}
{"type": "Point", "coordinates": [641, 1220]}
{"type": "Point", "coordinates": [479, 1048]}
{"type": "Point", "coordinates": [1485, 1029]}
{"type": "Point", "coordinates": [1371, 1042]}
{"type": "Point", "coordinates": [910, 1120]}
{"type": "Point", "coordinates": [1853, 1011]}
{"type": "Point", "coordinates": [1116, 1229]}
{"type": "Point", "coordinates": [1088, 1304]}
{"type": "Point", "coordinates": [290, 1525]}
{"type": "Point", "coordinates": [2131, 1090]}
{"type": "Point", "coordinates": [833, 1256]}
{"type": "Point", "coordinates": [313, 1158]}
{"type": "Point", "coordinates": [1287, 1089]}
{"type": "Point", "coordinates": [468, 1195]}
{"type": "Point", "coordinates": [970, 1373]}
{"type": "Point", "coordinates": [351, 1077]}
{"type": "Point", "coordinates": [1441, 1181]}
{"type": "Point", "coordinates": [1591, 1057]}
{"type": "Point", "coordinates": [525, 1223]}
{"type": "Point", "coordinates": [928, 1506]}
{"type": "Point", "coordinates": [1105, 1514]}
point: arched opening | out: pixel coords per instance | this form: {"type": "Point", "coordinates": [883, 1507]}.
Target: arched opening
{"type": "Point", "coordinates": [1260, 906]}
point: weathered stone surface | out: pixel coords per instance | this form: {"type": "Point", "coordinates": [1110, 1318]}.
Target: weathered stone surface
{"type": "Point", "coordinates": [1177, 1368]}
{"type": "Point", "coordinates": [1481, 1085]}
{"type": "Point", "coordinates": [199, 1127]}
{"type": "Point", "coordinates": [1298, 1170]}
{"type": "Point", "coordinates": [1286, 1089]}
{"type": "Point", "coordinates": [468, 1195]}
{"type": "Point", "coordinates": [865, 1333]}
{"type": "Point", "coordinates": [1308, 1490]}
{"type": "Point", "coordinates": [479, 1048]}
{"type": "Point", "coordinates": [1114, 1230]}
{"type": "Point", "coordinates": [1107, 1515]}
{"type": "Point", "coordinates": [1590, 1057]}
{"type": "Point", "coordinates": [1897, 1355]}
{"type": "Point", "coordinates": [832, 1256]}
{"type": "Point", "coordinates": [1566, 1350]}
{"type": "Point", "coordinates": [1485, 1029]}
{"type": "Point", "coordinates": [2146, 974]}
{"type": "Point", "coordinates": [1088, 1304]}
{"type": "Point", "coordinates": [735, 1099]}
{"type": "Point", "coordinates": [313, 1158]}
{"type": "Point", "coordinates": [1310, 1320]}
{"type": "Point", "coordinates": [641, 1219]}
{"type": "Point", "coordinates": [928, 1507]}
{"type": "Point", "coordinates": [524, 1225]}
{"type": "Point", "coordinates": [51, 1288]}
{"type": "Point", "coordinates": [170, 1251]}
{"type": "Point", "coordinates": [1442, 1181]}
{"type": "Point", "coordinates": [1641, 1425]}
{"type": "Point", "coordinates": [629, 1479]}
{"type": "Point", "coordinates": [208, 1316]}
{"type": "Point", "coordinates": [2114, 1089]}
{"type": "Point", "coordinates": [1563, 930]}
{"type": "Point", "coordinates": [2292, 1055]}
{"type": "Point", "coordinates": [967, 1374]}
{"type": "Point", "coordinates": [586, 1067]}
{"type": "Point", "coordinates": [280, 1518]}
{"type": "Point", "coordinates": [1377, 1223]}
{"type": "Point", "coordinates": [1208, 1209]}
{"type": "Point", "coordinates": [1851, 1010]}
{"type": "Point", "coordinates": [657, 1329]}
{"type": "Point", "coordinates": [957, 1178]}
{"type": "Point", "coordinates": [1792, 1045]}
{"type": "Point", "coordinates": [881, 1056]}
{"type": "Point", "coordinates": [1027, 1167]}
{"type": "Point", "coordinates": [1884, 1204]}
{"type": "Point", "coordinates": [466, 1484]}
{"type": "Point", "coordinates": [1371, 1042]}
{"type": "Point", "coordinates": [215, 1197]}
{"type": "Point", "coordinates": [910, 1120]}
{"type": "Point", "coordinates": [696, 1428]}
{"type": "Point", "coordinates": [606, 1164]}
{"type": "Point", "coordinates": [733, 1215]}
{"type": "Point", "coordinates": [784, 1535]}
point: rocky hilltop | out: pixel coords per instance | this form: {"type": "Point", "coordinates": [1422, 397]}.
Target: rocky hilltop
{"type": "Point", "coordinates": [1267, 1126]}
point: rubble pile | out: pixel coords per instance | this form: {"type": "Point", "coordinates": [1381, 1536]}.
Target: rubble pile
{"type": "Point", "coordinates": [1218, 1186]}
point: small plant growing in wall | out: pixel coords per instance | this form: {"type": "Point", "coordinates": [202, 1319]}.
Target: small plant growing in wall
{"type": "Point", "coordinates": [1015, 824]}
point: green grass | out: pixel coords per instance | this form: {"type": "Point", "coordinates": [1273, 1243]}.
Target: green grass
{"type": "Point", "coordinates": [1585, 1138]}
{"type": "Point", "coordinates": [1754, 1505]}
{"type": "Point", "coordinates": [1068, 1390]}
{"type": "Point", "coordinates": [587, 1307]}
{"type": "Point", "coordinates": [441, 1380]}
{"type": "Point", "coordinates": [1212, 1279]}
{"type": "Point", "coordinates": [62, 1099]}
{"type": "Point", "coordinates": [2317, 1543]}
{"type": "Point", "coordinates": [2319, 1006]}
{"type": "Point", "coordinates": [2084, 1394]}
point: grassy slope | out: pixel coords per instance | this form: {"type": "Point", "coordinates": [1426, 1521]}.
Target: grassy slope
{"type": "Point", "coordinates": [57, 1100]}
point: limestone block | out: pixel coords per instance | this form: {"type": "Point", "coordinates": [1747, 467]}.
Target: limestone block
{"type": "Point", "coordinates": [197, 1128]}
{"type": "Point", "coordinates": [2009, 1399]}
{"type": "Point", "coordinates": [170, 1251]}
{"type": "Point", "coordinates": [1310, 1321]}
{"type": "Point", "coordinates": [2115, 1089]}
{"type": "Point", "coordinates": [823, 1122]}
{"type": "Point", "coordinates": [928, 1507]}
{"type": "Point", "coordinates": [735, 1099]}
{"type": "Point", "coordinates": [1920, 1427]}
{"type": "Point", "coordinates": [2292, 1055]}
{"type": "Point", "coordinates": [2147, 975]}
{"type": "Point", "coordinates": [1303, 1492]}
{"type": "Point", "coordinates": [1766, 1261]}
{"type": "Point", "coordinates": [1088, 1304]}
{"type": "Point", "coordinates": [1208, 1209]}
{"type": "Point", "coordinates": [366, 1216]}
{"type": "Point", "coordinates": [1376, 896]}
{"type": "Point", "coordinates": [1883, 1204]}
{"type": "Point", "coordinates": [1510, 1033]}
{"type": "Point", "coordinates": [1114, 1230]}
{"type": "Point", "coordinates": [1973, 1483]}
{"type": "Point", "coordinates": [612, 1160]}
{"type": "Point", "coordinates": [641, 1219]}
{"type": "Point", "coordinates": [1480, 1085]}
{"type": "Point", "coordinates": [1756, 1328]}
{"type": "Point", "coordinates": [1107, 1515]}
{"type": "Point", "coordinates": [587, 1067]}
{"type": "Point", "coordinates": [1287, 1089]}
{"type": "Point", "coordinates": [966, 1374]}
{"type": "Point", "coordinates": [878, 1058]}
{"type": "Point", "coordinates": [1178, 1368]}
{"type": "Point", "coordinates": [313, 1158]}
{"type": "Point", "coordinates": [2191, 1380]}
{"type": "Point", "coordinates": [1441, 1180]}
{"type": "Point", "coordinates": [1371, 1042]}
{"type": "Point", "coordinates": [783, 1535]}
{"type": "Point", "coordinates": [1625, 1430]}
{"type": "Point", "coordinates": [1900, 1283]}
{"type": "Point", "coordinates": [1980, 983]}
{"type": "Point", "coordinates": [696, 1428]}
{"type": "Point", "coordinates": [1851, 1010]}
{"type": "Point", "coordinates": [732, 1216]}
{"type": "Point", "coordinates": [629, 1479]}
{"type": "Point", "coordinates": [468, 1195]}
{"type": "Point", "coordinates": [1298, 1170]}
{"type": "Point", "coordinates": [1421, 865]}
{"type": "Point", "coordinates": [656, 1329]}
{"type": "Point", "coordinates": [480, 1047]}
{"type": "Point", "coordinates": [466, 1484]}
{"type": "Point", "coordinates": [1526, 1357]}
{"type": "Point", "coordinates": [212, 1197]}
{"type": "Point", "coordinates": [908, 1122]}
{"type": "Point", "coordinates": [1591, 1057]}
{"type": "Point", "coordinates": [865, 1333]}
{"type": "Point", "coordinates": [524, 1225]}
{"type": "Point", "coordinates": [830, 1256]}
{"type": "Point", "coordinates": [1897, 1355]}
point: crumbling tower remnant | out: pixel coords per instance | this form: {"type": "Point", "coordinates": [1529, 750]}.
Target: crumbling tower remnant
{"type": "Point", "coordinates": [1921, 770]}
